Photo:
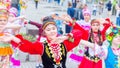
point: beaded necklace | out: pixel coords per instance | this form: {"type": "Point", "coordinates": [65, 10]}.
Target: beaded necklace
{"type": "Point", "coordinates": [55, 50]}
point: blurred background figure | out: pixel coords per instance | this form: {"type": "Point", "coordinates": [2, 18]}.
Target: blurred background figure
{"type": "Point", "coordinates": [78, 12]}
{"type": "Point", "coordinates": [114, 2]}
{"type": "Point", "coordinates": [109, 8]}
{"type": "Point", "coordinates": [117, 8]}
{"type": "Point", "coordinates": [94, 11]}
{"type": "Point", "coordinates": [15, 3]}
{"type": "Point", "coordinates": [70, 12]}
{"type": "Point", "coordinates": [23, 6]}
{"type": "Point", "coordinates": [118, 20]}
{"type": "Point", "coordinates": [101, 7]}
{"type": "Point", "coordinates": [36, 3]}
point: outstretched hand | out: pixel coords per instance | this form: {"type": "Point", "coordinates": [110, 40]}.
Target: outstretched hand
{"type": "Point", "coordinates": [6, 38]}
{"type": "Point", "coordinates": [66, 18]}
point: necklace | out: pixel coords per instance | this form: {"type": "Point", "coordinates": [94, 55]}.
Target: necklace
{"type": "Point", "coordinates": [56, 52]}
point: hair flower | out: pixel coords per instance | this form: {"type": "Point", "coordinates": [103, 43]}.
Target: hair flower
{"type": "Point", "coordinates": [111, 34]}
{"type": "Point", "coordinates": [109, 38]}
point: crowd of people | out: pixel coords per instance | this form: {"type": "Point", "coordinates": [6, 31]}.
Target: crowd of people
{"type": "Point", "coordinates": [97, 41]}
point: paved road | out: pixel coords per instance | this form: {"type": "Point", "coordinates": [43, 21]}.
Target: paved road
{"type": "Point", "coordinates": [45, 9]}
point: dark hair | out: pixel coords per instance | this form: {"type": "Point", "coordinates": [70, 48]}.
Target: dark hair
{"type": "Point", "coordinates": [91, 39]}
{"type": "Point", "coordinates": [47, 18]}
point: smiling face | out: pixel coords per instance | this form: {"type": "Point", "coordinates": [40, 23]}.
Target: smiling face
{"type": "Point", "coordinates": [50, 31]}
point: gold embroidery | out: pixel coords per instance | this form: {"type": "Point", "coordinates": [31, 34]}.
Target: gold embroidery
{"type": "Point", "coordinates": [50, 53]}
{"type": "Point", "coordinates": [47, 51]}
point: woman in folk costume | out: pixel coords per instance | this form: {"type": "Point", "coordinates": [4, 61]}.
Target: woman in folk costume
{"type": "Point", "coordinates": [17, 24]}
{"type": "Point", "coordinates": [112, 52]}
{"type": "Point", "coordinates": [78, 52]}
{"type": "Point", "coordinates": [91, 58]}
{"type": "Point", "coordinates": [5, 49]}
{"type": "Point", "coordinates": [54, 49]}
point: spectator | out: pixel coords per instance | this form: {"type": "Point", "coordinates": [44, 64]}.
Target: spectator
{"type": "Point", "coordinates": [94, 9]}
{"type": "Point", "coordinates": [118, 20]}
{"type": "Point", "coordinates": [78, 12]}
{"type": "Point", "coordinates": [109, 7]}
{"type": "Point", "coordinates": [70, 12]}
{"type": "Point", "coordinates": [15, 3]}
{"type": "Point", "coordinates": [36, 3]}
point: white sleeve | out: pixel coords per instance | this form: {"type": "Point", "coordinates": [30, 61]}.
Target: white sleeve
{"type": "Point", "coordinates": [102, 51]}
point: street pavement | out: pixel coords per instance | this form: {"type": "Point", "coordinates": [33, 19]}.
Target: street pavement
{"type": "Point", "coordinates": [45, 9]}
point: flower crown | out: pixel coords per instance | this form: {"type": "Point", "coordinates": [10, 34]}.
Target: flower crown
{"type": "Point", "coordinates": [3, 10]}
{"type": "Point", "coordinates": [112, 32]}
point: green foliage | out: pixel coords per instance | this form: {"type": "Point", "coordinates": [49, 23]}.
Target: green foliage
{"type": "Point", "coordinates": [100, 0]}
{"type": "Point", "coordinates": [28, 37]}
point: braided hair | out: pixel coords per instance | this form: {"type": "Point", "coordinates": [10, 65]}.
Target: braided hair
{"type": "Point", "coordinates": [91, 38]}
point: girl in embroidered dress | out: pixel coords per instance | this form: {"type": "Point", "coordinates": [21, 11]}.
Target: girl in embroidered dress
{"type": "Point", "coordinates": [97, 37]}
{"type": "Point", "coordinates": [112, 52]}
{"type": "Point", "coordinates": [78, 52]}
{"type": "Point", "coordinates": [5, 49]}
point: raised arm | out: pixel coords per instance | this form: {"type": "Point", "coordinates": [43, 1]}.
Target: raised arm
{"type": "Point", "coordinates": [78, 34]}
{"type": "Point", "coordinates": [106, 25]}
{"type": "Point", "coordinates": [35, 23]}
{"type": "Point", "coordinates": [27, 46]}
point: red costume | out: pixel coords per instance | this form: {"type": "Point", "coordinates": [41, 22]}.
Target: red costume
{"type": "Point", "coordinates": [93, 61]}
{"type": "Point", "coordinates": [48, 52]}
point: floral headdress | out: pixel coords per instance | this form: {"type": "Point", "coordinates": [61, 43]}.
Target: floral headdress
{"type": "Point", "coordinates": [112, 32]}
{"type": "Point", "coordinates": [13, 11]}
{"type": "Point", "coordinates": [3, 11]}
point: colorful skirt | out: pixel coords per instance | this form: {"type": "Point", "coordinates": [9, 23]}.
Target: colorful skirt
{"type": "Point", "coordinates": [89, 63]}
{"type": "Point", "coordinates": [5, 49]}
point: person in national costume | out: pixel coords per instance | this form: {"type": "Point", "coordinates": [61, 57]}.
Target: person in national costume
{"type": "Point", "coordinates": [78, 52]}
{"type": "Point", "coordinates": [54, 49]}
{"type": "Point", "coordinates": [112, 52]}
{"type": "Point", "coordinates": [96, 36]}
{"type": "Point", "coordinates": [5, 48]}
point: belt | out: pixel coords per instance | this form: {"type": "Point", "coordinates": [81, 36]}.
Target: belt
{"type": "Point", "coordinates": [92, 58]}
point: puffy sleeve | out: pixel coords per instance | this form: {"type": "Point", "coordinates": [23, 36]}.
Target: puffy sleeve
{"type": "Point", "coordinates": [78, 34]}
{"type": "Point", "coordinates": [27, 46]}
{"type": "Point", "coordinates": [106, 26]}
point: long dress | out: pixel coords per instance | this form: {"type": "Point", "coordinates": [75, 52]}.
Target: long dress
{"type": "Point", "coordinates": [90, 59]}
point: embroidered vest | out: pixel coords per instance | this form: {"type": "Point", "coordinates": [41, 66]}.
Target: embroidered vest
{"type": "Point", "coordinates": [111, 60]}
{"type": "Point", "coordinates": [48, 57]}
